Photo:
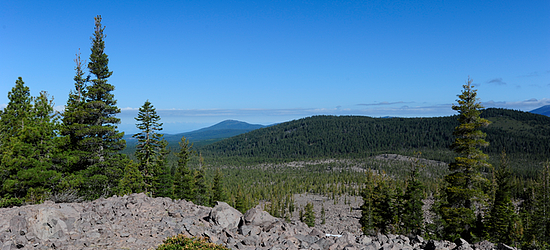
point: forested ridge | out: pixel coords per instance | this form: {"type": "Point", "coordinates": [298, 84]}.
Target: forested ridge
{"type": "Point", "coordinates": [523, 135]}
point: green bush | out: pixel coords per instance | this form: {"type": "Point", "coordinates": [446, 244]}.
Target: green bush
{"type": "Point", "coordinates": [183, 242]}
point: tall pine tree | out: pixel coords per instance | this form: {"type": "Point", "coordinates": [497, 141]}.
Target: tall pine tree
{"type": "Point", "coordinates": [463, 184]}
{"type": "Point", "coordinates": [90, 123]}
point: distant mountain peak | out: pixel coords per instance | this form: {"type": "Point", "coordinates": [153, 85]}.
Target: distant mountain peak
{"type": "Point", "coordinates": [232, 124]}
{"type": "Point", "coordinates": [544, 110]}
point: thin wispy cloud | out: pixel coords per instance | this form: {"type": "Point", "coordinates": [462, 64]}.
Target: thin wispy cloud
{"type": "Point", "coordinates": [525, 105]}
{"type": "Point", "coordinates": [497, 81]}
{"type": "Point", "coordinates": [382, 103]}
{"type": "Point", "coordinates": [532, 74]}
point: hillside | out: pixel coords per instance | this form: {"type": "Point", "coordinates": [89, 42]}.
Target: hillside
{"type": "Point", "coordinates": [519, 133]}
{"type": "Point", "coordinates": [544, 110]}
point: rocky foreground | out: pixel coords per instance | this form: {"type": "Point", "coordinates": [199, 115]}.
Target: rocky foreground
{"type": "Point", "coordinates": [140, 222]}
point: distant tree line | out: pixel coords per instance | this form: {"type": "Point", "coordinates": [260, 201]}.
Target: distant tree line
{"type": "Point", "coordinates": [359, 136]}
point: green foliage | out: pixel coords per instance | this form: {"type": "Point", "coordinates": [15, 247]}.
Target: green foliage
{"type": "Point", "coordinates": [202, 196]}
{"type": "Point", "coordinates": [367, 209]}
{"type": "Point", "coordinates": [309, 215]}
{"type": "Point", "coordinates": [240, 201]}
{"type": "Point", "coordinates": [184, 178]}
{"type": "Point", "coordinates": [323, 219]}
{"type": "Point", "coordinates": [358, 137]}
{"type": "Point", "coordinates": [218, 189]}
{"type": "Point", "coordinates": [165, 183]}
{"type": "Point", "coordinates": [29, 154]}
{"type": "Point", "coordinates": [183, 242]}
{"type": "Point", "coordinates": [384, 199]}
{"type": "Point", "coordinates": [412, 215]}
{"type": "Point", "coordinates": [132, 182]}
{"type": "Point", "coordinates": [151, 148]}
{"type": "Point", "coordinates": [502, 223]}
{"type": "Point", "coordinates": [89, 123]}
{"type": "Point", "coordinates": [536, 213]}
{"type": "Point", "coordinates": [464, 183]}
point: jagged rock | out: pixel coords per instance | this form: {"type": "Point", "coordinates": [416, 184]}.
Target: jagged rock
{"type": "Point", "coordinates": [484, 245]}
{"type": "Point", "coordinates": [462, 244]}
{"type": "Point", "coordinates": [225, 216]}
{"type": "Point", "coordinates": [137, 221]}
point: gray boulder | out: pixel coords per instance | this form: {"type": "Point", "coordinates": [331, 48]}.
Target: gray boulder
{"type": "Point", "coordinates": [258, 217]}
{"type": "Point", "coordinates": [225, 216]}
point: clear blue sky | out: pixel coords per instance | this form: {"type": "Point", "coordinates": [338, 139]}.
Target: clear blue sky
{"type": "Point", "coordinates": [202, 62]}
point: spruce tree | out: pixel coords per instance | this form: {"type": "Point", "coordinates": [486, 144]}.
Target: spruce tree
{"type": "Point", "coordinates": [150, 147]}
{"type": "Point", "coordinates": [463, 184]}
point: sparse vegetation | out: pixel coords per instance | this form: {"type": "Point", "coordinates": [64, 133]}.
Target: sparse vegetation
{"type": "Point", "coordinates": [183, 242]}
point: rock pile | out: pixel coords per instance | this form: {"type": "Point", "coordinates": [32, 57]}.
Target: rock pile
{"type": "Point", "coordinates": [140, 222]}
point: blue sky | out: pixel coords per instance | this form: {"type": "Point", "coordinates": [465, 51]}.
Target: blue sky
{"type": "Point", "coordinates": [202, 62]}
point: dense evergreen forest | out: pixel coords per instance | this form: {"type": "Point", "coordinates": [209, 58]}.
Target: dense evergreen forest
{"type": "Point", "coordinates": [523, 135]}
{"type": "Point", "coordinates": [477, 166]}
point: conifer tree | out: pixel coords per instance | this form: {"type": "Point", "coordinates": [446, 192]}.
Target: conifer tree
{"type": "Point", "coordinates": [367, 209]}
{"type": "Point", "coordinates": [91, 125]}
{"type": "Point", "coordinates": [323, 219]}
{"type": "Point", "coordinates": [537, 234]}
{"type": "Point", "coordinates": [132, 181]}
{"type": "Point", "coordinates": [384, 206]}
{"type": "Point", "coordinates": [240, 200]}
{"type": "Point", "coordinates": [412, 216]}
{"type": "Point", "coordinates": [218, 189]}
{"type": "Point", "coordinates": [202, 196]}
{"type": "Point", "coordinates": [74, 125]}
{"type": "Point", "coordinates": [309, 215]}
{"type": "Point", "coordinates": [28, 147]}
{"type": "Point", "coordinates": [151, 147]}
{"type": "Point", "coordinates": [165, 184]}
{"type": "Point", "coordinates": [502, 219]}
{"type": "Point", "coordinates": [184, 178]}
{"type": "Point", "coordinates": [463, 184]}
